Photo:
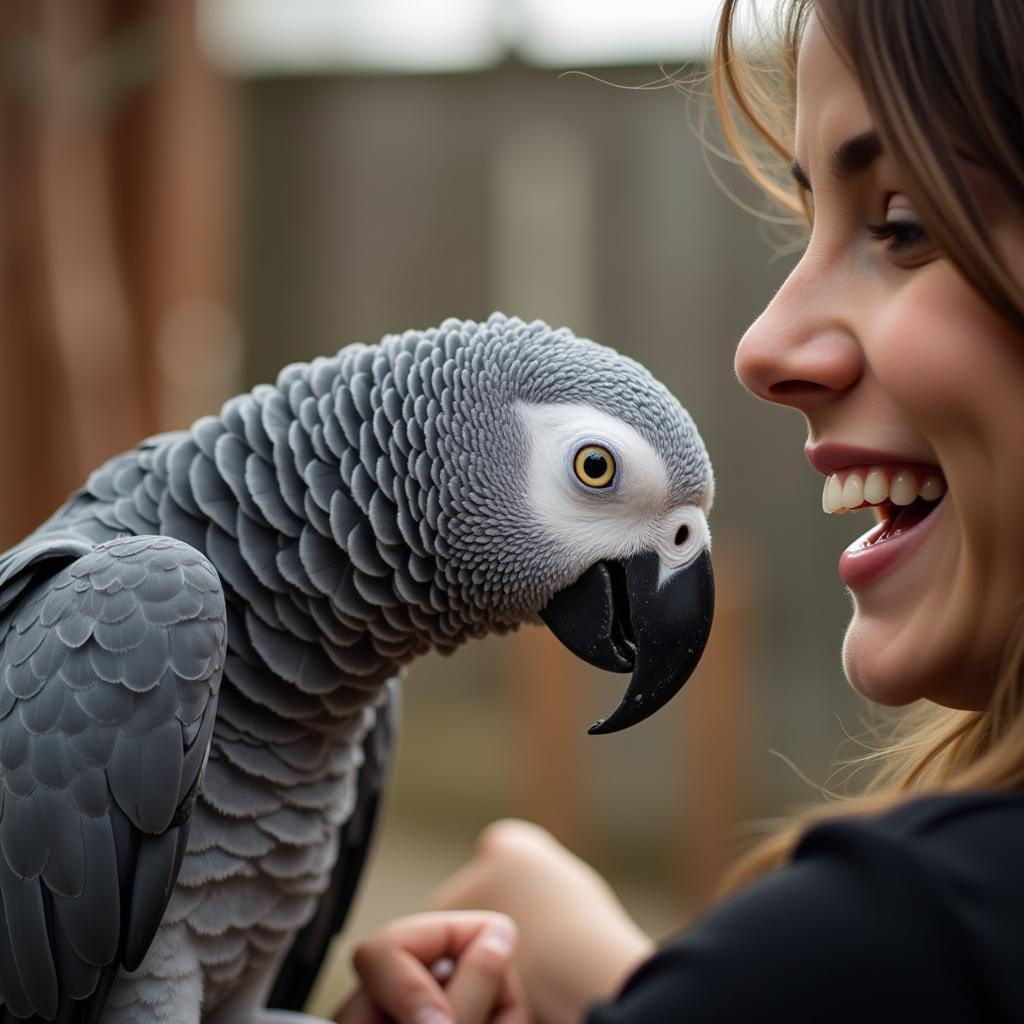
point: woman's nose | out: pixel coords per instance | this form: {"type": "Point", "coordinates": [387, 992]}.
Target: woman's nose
{"type": "Point", "coordinates": [801, 351]}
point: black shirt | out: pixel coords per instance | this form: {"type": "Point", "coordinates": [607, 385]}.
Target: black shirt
{"type": "Point", "coordinates": [914, 915]}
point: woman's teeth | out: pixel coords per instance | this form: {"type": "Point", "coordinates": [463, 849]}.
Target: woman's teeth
{"type": "Point", "coordinates": [859, 488]}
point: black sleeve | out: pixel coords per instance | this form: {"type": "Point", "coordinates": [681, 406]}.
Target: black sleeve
{"type": "Point", "coordinates": [854, 929]}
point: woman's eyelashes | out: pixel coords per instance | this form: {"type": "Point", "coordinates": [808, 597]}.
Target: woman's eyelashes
{"type": "Point", "coordinates": [901, 229]}
{"type": "Point", "coordinates": [899, 234]}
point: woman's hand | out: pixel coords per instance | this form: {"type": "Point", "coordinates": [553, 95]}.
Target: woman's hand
{"type": "Point", "coordinates": [436, 969]}
{"type": "Point", "coordinates": [577, 944]}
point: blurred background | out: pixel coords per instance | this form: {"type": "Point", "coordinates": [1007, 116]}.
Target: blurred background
{"type": "Point", "coordinates": [194, 194]}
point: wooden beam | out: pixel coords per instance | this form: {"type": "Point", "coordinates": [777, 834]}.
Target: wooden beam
{"type": "Point", "coordinates": [712, 754]}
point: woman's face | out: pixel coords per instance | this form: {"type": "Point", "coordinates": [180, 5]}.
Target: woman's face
{"type": "Point", "coordinates": [913, 392]}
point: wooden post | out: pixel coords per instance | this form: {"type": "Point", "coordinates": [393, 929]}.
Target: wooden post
{"type": "Point", "coordinates": [180, 222]}
{"type": "Point", "coordinates": [35, 464]}
{"type": "Point", "coordinates": [105, 410]}
{"type": "Point", "coordinates": [115, 216]}
{"type": "Point", "coordinates": [714, 749]}
{"type": "Point", "coordinates": [547, 687]}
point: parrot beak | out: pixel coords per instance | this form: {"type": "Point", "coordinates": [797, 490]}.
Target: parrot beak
{"type": "Point", "coordinates": [629, 616]}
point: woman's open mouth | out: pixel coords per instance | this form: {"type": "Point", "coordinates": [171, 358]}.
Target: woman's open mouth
{"type": "Point", "coordinates": [903, 499]}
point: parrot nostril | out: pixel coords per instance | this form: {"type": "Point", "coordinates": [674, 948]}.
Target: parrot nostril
{"type": "Point", "coordinates": [682, 535]}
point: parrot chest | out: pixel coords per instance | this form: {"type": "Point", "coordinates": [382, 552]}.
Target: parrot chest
{"type": "Point", "coordinates": [259, 857]}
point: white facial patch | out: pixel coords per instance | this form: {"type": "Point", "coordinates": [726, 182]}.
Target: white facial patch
{"type": "Point", "coordinates": [632, 514]}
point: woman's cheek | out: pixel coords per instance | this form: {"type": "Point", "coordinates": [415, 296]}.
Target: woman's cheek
{"type": "Point", "coordinates": [947, 360]}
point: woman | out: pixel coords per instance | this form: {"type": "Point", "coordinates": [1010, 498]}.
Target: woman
{"type": "Point", "coordinates": [900, 337]}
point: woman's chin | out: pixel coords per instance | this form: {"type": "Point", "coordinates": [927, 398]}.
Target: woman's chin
{"type": "Point", "coordinates": [897, 664]}
{"type": "Point", "coordinates": [881, 668]}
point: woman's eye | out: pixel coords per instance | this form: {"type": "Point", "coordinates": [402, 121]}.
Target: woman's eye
{"type": "Point", "coordinates": [899, 234]}
{"type": "Point", "coordinates": [594, 465]}
{"type": "Point", "coordinates": [901, 228]}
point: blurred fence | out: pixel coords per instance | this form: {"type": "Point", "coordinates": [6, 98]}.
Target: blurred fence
{"type": "Point", "coordinates": [117, 178]}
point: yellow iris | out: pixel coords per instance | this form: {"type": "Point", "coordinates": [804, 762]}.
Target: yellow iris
{"type": "Point", "coordinates": [594, 465]}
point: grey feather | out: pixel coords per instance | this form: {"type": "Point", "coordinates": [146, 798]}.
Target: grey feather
{"type": "Point", "coordinates": [33, 957]}
{"type": "Point", "coordinates": [70, 763]}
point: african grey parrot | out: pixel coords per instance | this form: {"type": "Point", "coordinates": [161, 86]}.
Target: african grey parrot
{"type": "Point", "coordinates": [197, 650]}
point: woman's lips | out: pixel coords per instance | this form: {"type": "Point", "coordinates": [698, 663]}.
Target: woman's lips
{"type": "Point", "coordinates": [828, 457]}
{"type": "Point", "coordinates": [883, 548]}
{"type": "Point", "coordinates": [906, 493]}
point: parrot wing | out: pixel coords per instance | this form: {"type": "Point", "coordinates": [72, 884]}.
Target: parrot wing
{"type": "Point", "coordinates": [110, 660]}
{"type": "Point", "coordinates": [299, 971]}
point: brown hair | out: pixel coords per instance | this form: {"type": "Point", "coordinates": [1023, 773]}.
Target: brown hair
{"type": "Point", "coordinates": [945, 83]}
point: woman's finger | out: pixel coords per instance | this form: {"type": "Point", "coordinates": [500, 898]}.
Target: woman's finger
{"type": "Point", "coordinates": [513, 1006]}
{"type": "Point", "coordinates": [478, 985]}
{"type": "Point", "coordinates": [401, 986]}
{"type": "Point", "coordinates": [395, 967]}
{"type": "Point", "coordinates": [359, 1009]}
{"type": "Point", "coordinates": [434, 935]}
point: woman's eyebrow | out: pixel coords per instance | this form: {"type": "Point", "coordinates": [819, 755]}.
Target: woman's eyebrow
{"type": "Point", "coordinates": [850, 158]}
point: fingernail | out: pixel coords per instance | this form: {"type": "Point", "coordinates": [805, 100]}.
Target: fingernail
{"type": "Point", "coordinates": [431, 1015]}
{"type": "Point", "coordinates": [443, 969]}
{"type": "Point", "coordinates": [499, 936]}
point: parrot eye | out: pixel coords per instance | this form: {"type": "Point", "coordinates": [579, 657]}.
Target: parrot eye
{"type": "Point", "coordinates": [594, 465]}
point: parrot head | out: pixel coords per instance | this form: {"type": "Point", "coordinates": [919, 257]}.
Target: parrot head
{"type": "Point", "coordinates": [574, 488]}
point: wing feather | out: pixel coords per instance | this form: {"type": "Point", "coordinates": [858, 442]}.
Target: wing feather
{"type": "Point", "coordinates": [109, 673]}
{"type": "Point", "coordinates": [26, 923]}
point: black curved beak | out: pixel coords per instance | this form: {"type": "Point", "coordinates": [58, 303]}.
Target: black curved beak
{"type": "Point", "coordinates": [627, 617]}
